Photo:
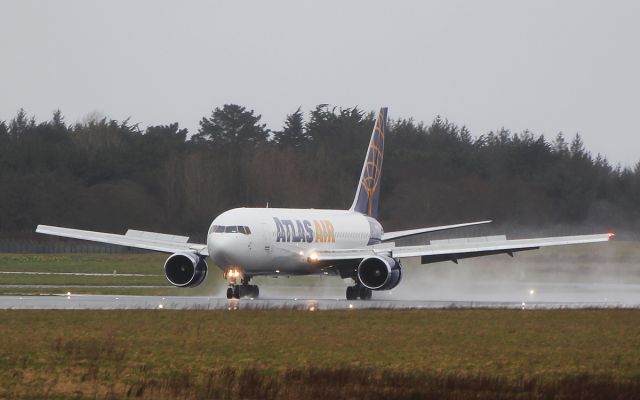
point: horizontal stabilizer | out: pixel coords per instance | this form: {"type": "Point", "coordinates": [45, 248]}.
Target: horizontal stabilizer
{"type": "Point", "coordinates": [400, 234]}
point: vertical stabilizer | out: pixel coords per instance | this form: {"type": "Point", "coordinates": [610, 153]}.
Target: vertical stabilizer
{"type": "Point", "coordinates": [368, 193]}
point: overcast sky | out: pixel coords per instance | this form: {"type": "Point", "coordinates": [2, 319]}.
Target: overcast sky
{"type": "Point", "coordinates": [546, 66]}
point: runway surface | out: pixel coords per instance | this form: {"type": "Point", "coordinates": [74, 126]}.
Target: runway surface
{"type": "Point", "coordinates": [111, 302]}
{"type": "Point", "coordinates": [477, 294]}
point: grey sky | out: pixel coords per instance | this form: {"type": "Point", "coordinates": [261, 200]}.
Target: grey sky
{"type": "Point", "coordinates": [547, 66]}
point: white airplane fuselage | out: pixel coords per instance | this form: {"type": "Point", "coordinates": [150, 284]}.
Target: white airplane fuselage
{"type": "Point", "coordinates": [279, 241]}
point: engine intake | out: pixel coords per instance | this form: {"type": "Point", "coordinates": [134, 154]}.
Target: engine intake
{"type": "Point", "coordinates": [379, 273]}
{"type": "Point", "coordinates": [185, 269]}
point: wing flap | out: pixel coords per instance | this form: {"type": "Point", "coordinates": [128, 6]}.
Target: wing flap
{"type": "Point", "coordinates": [156, 237]}
{"type": "Point", "coordinates": [138, 239]}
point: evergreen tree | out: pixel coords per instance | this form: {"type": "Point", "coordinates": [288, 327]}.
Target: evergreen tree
{"type": "Point", "coordinates": [4, 131]}
{"type": "Point", "coordinates": [560, 145]}
{"type": "Point", "coordinates": [577, 149]}
{"type": "Point", "coordinates": [232, 125]}
{"type": "Point", "coordinates": [21, 123]}
{"type": "Point", "coordinates": [58, 120]}
{"type": "Point", "coordinates": [293, 134]}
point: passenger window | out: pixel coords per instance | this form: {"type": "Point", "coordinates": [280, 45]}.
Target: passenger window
{"type": "Point", "coordinates": [247, 231]}
{"type": "Point", "coordinates": [231, 229]}
{"type": "Point", "coordinates": [219, 229]}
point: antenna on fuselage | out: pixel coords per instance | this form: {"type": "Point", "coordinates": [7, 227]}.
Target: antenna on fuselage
{"type": "Point", "coordinates": [267, 204]}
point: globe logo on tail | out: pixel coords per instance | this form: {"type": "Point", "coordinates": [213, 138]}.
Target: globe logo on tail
{"type": "Point", "coordinates": [373, 166]}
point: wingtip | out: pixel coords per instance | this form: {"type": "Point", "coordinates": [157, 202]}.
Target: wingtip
{"type": "Point", "coordinates": [611, 235]}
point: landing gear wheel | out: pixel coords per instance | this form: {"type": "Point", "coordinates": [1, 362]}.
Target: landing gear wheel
{"type": "Point", "coordinates": [358, 292]}
{"type": "Point", "coordinates": [236, 291]}
{"type": "Point", "coordinates": [229, 292]}
{"type": "Point", "coordinates": [255, 292]}
{"type": "Point", "coordinates": [364, 293]}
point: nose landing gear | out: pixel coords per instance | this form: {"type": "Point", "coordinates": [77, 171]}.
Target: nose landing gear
{"type": "Point", "coordinates": [244, 289]}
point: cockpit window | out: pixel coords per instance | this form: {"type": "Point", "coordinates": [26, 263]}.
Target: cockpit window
{"type": "Point", "coordinates": [230, 229]}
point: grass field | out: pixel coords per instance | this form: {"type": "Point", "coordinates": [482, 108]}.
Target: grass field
{"type": "Point", "coordinates": [115, 267]}
{"type": "Point", "coordinates": [287, 354]}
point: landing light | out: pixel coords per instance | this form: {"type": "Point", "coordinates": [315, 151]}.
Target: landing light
{"type": "Point", "coordinates": [532, 292]}
{"type": "Point", "coordinates": [160, 306]}
{"type": "Point", "coordinates": [313, 257]}
{"type": "Point", "coordinates": [233, 273]}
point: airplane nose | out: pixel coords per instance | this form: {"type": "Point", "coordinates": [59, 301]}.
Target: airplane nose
{"type": "Point", "coordinates": [220, 248]}
{"type": "Point", "coordinates": [216, 243]}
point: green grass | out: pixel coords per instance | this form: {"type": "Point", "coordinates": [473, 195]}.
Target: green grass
{"type": "Point", "coordinates": [88, 280]}
{"type": "Point", "coordinates": [124, 291]}
{"type": "Point", "coordinates": [332, 354]}
{"type": "Point", "coordinates": [149, 263]}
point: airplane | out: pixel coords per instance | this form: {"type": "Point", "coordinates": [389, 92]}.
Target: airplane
{"type": "Point", "coordinates": [249, 242]}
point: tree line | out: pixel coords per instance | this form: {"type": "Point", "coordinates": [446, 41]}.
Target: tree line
{"type": "Point", "coordinates": [105, 174]}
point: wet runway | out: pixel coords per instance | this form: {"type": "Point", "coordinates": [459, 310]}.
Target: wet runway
{"type": "Point", "coordinates": [111, 302]}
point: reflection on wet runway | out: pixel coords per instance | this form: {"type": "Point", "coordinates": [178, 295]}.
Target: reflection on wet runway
{"type": "Point", "coordinates": [103, 302]}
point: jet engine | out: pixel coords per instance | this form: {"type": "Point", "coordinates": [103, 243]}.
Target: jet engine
{"type": "Point", "coordinates": [185, 269]}
{"type": "Point", "coordinates": [379, 273]}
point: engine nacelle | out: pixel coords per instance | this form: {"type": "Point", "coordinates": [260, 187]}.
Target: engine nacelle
{"type": "Point", "coordinates": [379, 273]}
{"type": "Point", "coordinates": [185, 269]}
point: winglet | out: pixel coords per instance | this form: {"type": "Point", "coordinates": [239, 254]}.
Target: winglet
{"type": "Point", "coordinates": [368, 192]}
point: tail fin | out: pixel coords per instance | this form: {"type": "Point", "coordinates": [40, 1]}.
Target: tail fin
{"type": "Point", "coordinates": [368, 193]}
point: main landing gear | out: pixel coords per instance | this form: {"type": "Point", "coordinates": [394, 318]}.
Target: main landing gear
{"type": "Point", "coordinates": [358, 292]}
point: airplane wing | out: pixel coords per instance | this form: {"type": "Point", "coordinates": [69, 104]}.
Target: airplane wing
{"type": "Point", "coordinates": [455, 249]}
{"type": "Point", "coordinates": [399, 234]}
{"type": "Point", "coordinates": [139, 239]}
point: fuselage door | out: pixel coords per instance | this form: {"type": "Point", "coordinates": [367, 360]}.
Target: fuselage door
{"type": "Point", "coordinates": [266, 238]}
